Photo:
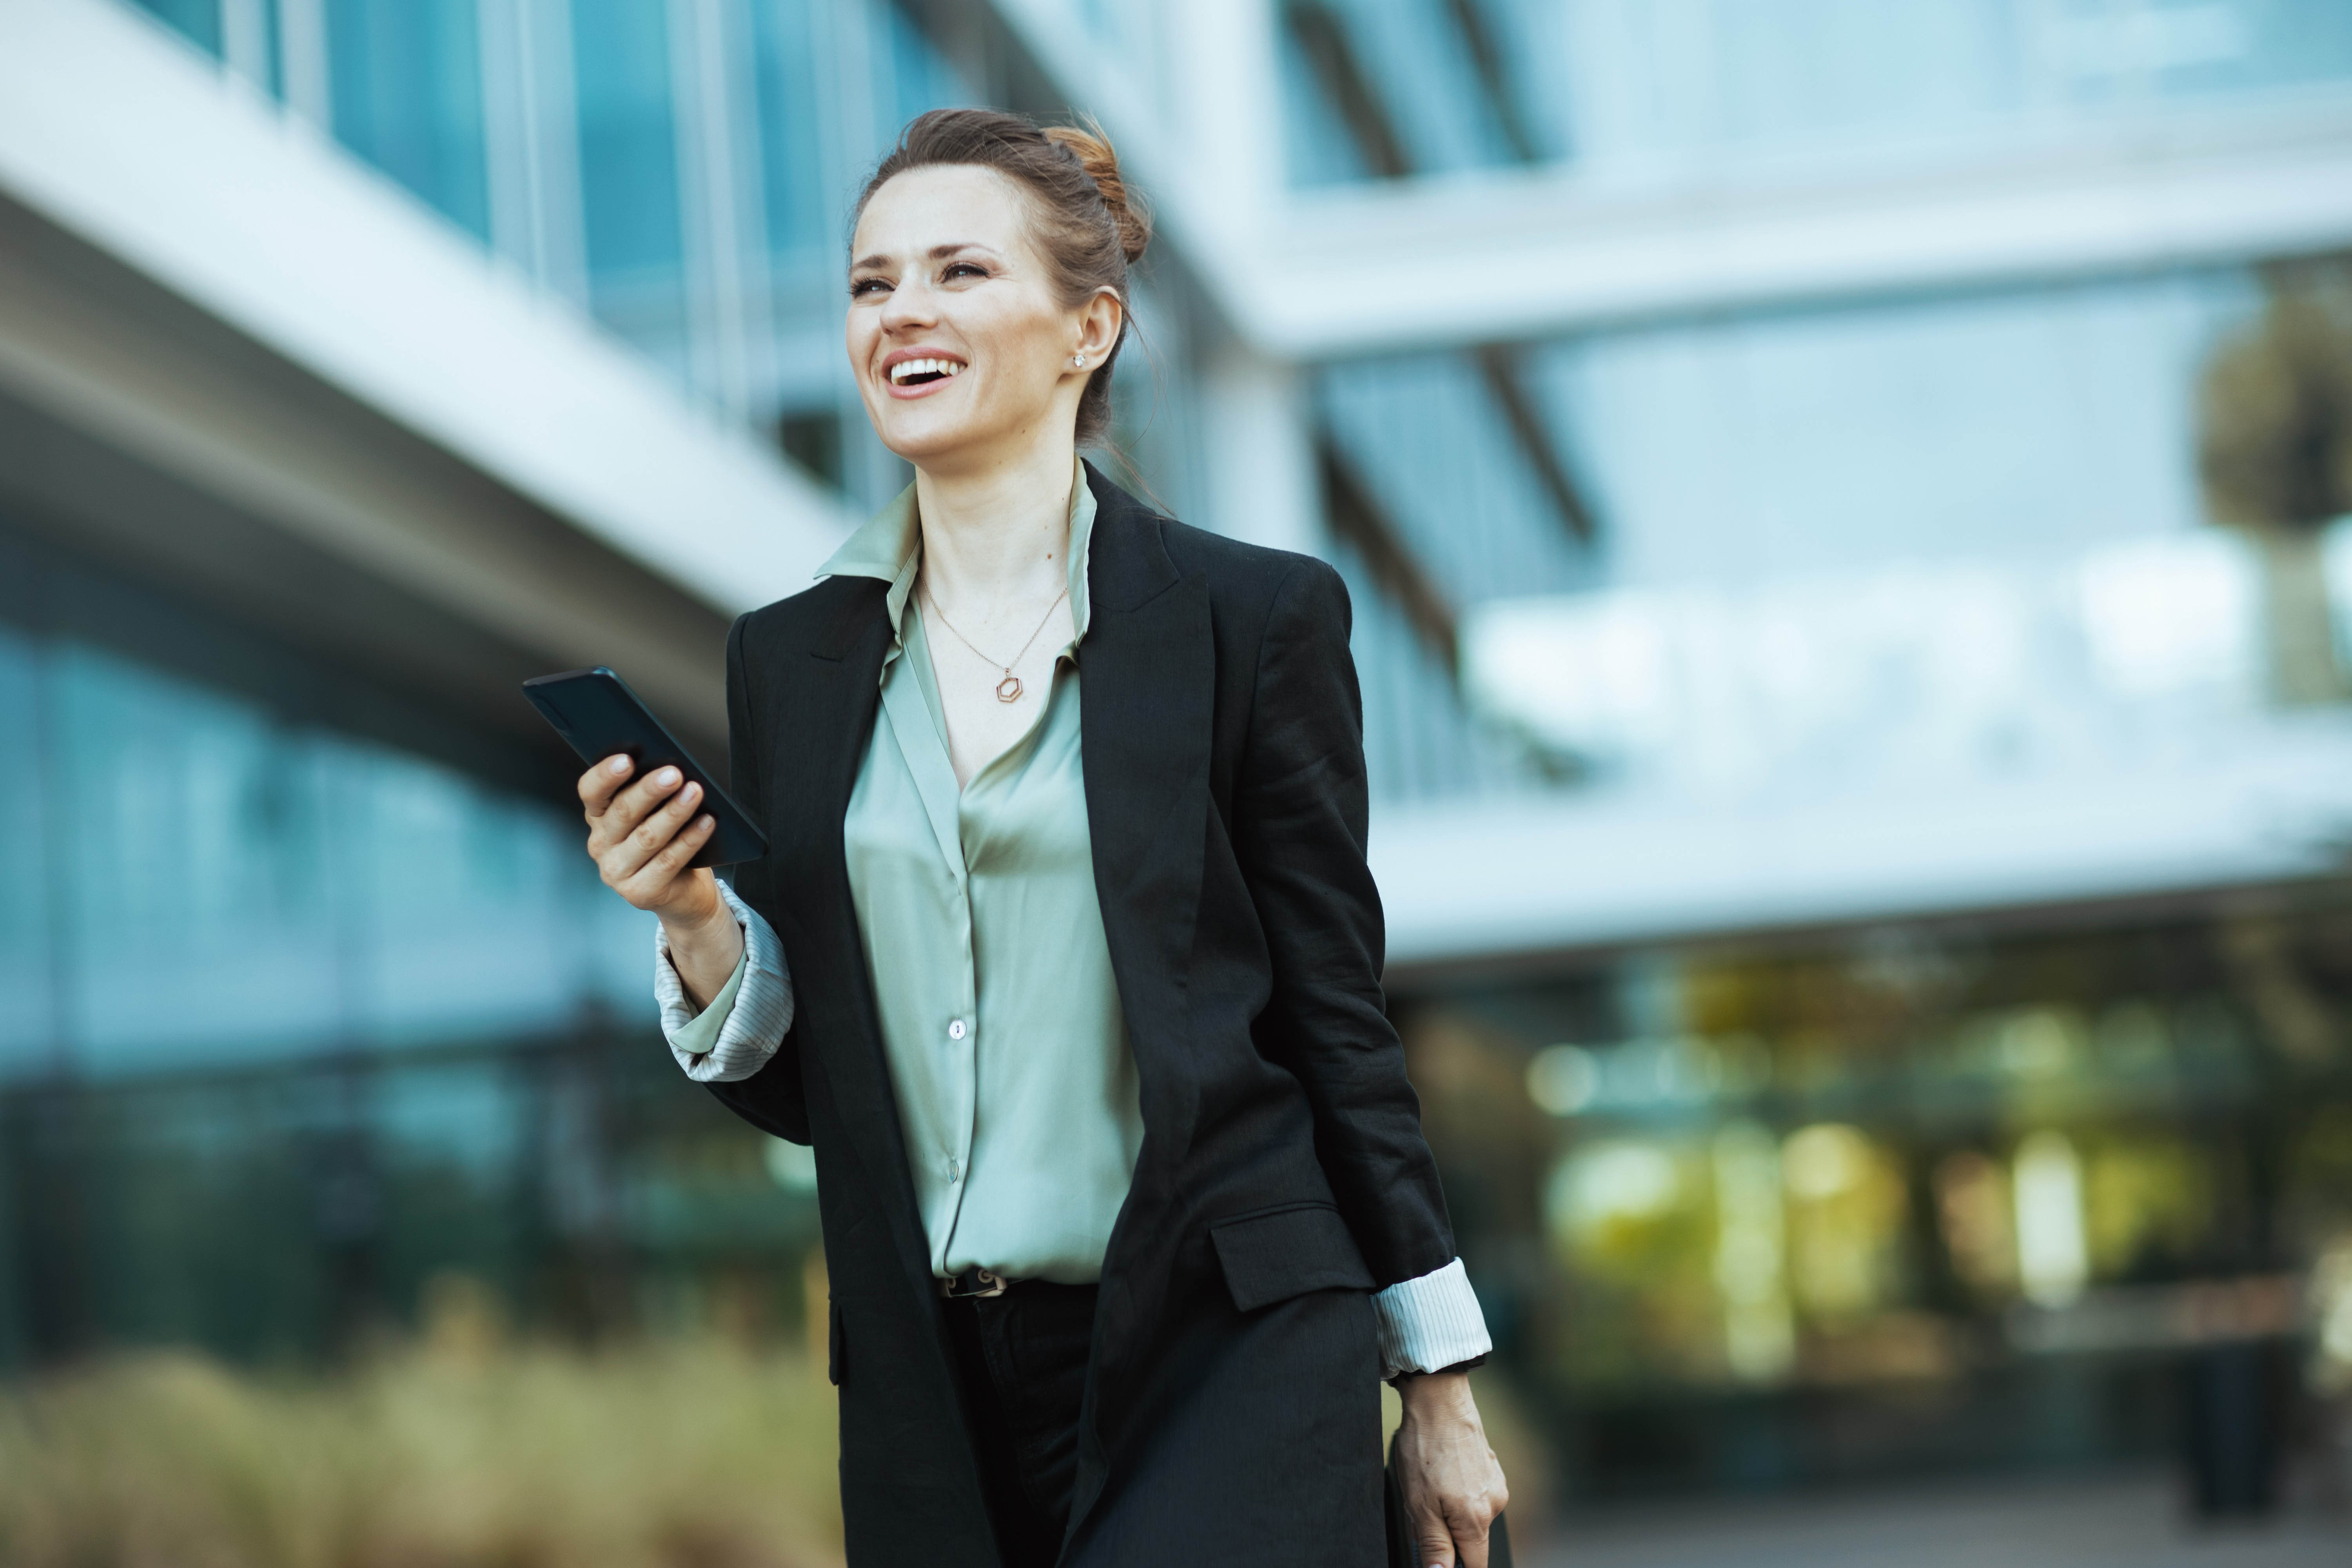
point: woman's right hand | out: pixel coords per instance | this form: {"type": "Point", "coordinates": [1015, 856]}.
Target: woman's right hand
{"type": "Point", "coordinates": [641, 838]}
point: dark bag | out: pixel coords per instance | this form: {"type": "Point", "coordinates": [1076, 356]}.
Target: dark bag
{"type": "Point", "coordinates": [1404, 1552]}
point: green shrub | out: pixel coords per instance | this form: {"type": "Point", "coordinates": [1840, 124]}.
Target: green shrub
{"type": "Point", "coordinates": [685, 1456]}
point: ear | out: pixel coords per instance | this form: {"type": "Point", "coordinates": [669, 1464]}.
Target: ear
{"type": "Point", "coordinates": [1100, 321]}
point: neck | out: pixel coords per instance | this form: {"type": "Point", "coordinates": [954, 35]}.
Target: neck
{"type": "Point", "coordinates": [996, 533]}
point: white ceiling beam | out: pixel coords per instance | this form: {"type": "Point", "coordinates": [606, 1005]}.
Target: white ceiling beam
{"type": "Point", "coordinates": [1486, 881]}
{"type": "Point", "coordinates": [117, 134]}
{"type": "Point", "coordinates": [1518, 254]}
{"type": "Point", "coordinates": [1512, 256]}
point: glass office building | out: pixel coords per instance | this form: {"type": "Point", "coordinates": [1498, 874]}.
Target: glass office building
{"type": "Point", "coordinates": [1853, 1064]}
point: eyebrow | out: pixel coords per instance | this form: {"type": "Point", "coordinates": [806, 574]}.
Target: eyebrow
{"type": "Point", "coordinates": [938, 253]}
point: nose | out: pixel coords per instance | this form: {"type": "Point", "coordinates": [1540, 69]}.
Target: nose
{"type": "Point", "coordinates": [910, 306]}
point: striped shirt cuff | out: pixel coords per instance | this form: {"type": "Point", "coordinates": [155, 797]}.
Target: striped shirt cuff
{"type": "Point", "coordinates": [1430, 1322]}
{"type": "Point", "coordinates": [734, 1036]}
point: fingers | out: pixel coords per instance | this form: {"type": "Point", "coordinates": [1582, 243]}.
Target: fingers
{"type": "Point", "coordinates": [655, 878]}
{"type": "Point", "coordinates": [1472, 1543]}
{"type": "Point", "coordinates": [1446, 1527]}
{"type": "Point", "coordinates": [1437, 1541]}
{"type": "Point", "coordinates": [629, 839]}
{"type": "Point", "coordinates": [597, 784]}
{"type": "Point", "coordinates": [628, 810]}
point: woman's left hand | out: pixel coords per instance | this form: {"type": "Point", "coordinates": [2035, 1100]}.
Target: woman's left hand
{"type": "Point", "coordinates": [1453, 1484]}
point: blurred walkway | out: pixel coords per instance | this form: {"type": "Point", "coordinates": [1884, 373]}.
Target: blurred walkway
{"type": "Point", "coordinates": [2134, 1523]}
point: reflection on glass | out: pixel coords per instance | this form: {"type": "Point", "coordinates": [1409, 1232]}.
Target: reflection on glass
{"type": "Point", "coordinates": [1974, 1208]}
{"type": "Point", "coordinates": [1759, 1342]}
{"type": "Point", "coordinates": [232, 887]}
{"type": "Point", "coordinates": [2148, 1203]}
{"type": "Point", "coordinates": [1629, 1219]}
{"type": "Point", "coordinates": [1844, 1168]}
{"type": "Point", "coordinates": [1563, 1079]}
{"type": "Point", "coordinates": [2053, 1260]}
{"type": "Point", "coordinates": [1846, 1214]}
{"type": "Point", "coordinates": [2331, 1302]}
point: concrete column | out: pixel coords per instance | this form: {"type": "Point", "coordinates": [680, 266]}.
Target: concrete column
{"type": "Point", "coordinates": [244, 41]}
{"type": "Point", "coordinates": [302, 63]}
{"type": "Point", "coordinates": [510, 132]}
{"type": "Point", "coordinates": [720, 335]}
{"type": "Point", "coordinates": [1224, 81]}
{"type": "Point", "coordinates": [1256, 430]}
{"type": "Point", "coordinates": [1258, 445]}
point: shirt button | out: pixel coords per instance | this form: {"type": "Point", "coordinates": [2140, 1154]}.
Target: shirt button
{"type": "Point", "coordinates": [955, 1172]}
{"type": "Point", "coordinates": [956, 1030]}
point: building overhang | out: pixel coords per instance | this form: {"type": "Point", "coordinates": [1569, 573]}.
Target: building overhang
{"type": "Point", "coordinates": [1379, 266]}
{"type": "Point", "coordinates": [1485, 885]}
{"type": "Point", "coordinates": [200, 289]}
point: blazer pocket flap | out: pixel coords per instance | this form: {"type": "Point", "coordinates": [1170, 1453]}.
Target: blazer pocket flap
{"type": "Point", "coordinates": [1287, 1252]}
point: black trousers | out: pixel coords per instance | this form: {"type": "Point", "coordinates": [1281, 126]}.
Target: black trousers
{"type": "Point", "coordinates": [1022, 1360]}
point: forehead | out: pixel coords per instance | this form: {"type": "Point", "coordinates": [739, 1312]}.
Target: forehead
{"type": "Point", "coordinates": [939, 204]}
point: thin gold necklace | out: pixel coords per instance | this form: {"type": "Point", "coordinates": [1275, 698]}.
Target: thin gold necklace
{"type": "Point", "coordinates": [1009, 689]}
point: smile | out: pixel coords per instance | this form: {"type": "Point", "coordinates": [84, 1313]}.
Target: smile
{"type": "Point", "coordinates": [924, 372]}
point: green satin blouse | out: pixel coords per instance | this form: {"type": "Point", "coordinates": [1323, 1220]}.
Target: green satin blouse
{"type": "Point", "coordinates": [984, 941]}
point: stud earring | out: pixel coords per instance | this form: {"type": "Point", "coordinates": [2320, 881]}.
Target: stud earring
{"type": "Point", "coordinates": [1078, 360]}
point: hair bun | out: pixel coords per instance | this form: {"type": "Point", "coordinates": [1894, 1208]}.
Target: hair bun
{"type": "Point", "coordinates": [1093, 151]}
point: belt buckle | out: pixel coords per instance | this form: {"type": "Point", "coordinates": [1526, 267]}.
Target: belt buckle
{"type": "Point", "coordinates": [974, 1284]}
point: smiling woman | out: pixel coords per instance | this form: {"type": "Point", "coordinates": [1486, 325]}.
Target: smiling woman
{"type": "Point", "coordinates": [1072, 985]}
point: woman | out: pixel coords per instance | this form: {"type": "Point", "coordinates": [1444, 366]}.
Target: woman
{"type": "Point", "coordinates": [1063, 956]}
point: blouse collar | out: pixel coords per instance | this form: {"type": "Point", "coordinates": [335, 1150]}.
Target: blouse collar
{"type": "Point", "coordinates": [890, 546]}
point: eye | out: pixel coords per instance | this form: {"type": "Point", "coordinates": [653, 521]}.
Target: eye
{"type": "Point", "coordinates": [860, 287]}
{"type": "Point", "coordinates": [963, 268]}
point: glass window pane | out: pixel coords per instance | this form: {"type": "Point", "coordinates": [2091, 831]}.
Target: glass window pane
{"type": "Point", "coordinates": [407, 83]}
{"type": "Point", "coordinates": [792, 172]}
{"type": "Point", "coordinates": [197, 20]}
{"type": "Point", "coordinates": [628, 162]}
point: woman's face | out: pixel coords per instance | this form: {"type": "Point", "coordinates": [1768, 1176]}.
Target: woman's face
{"type": "Point", "coordinates": [959, 345]}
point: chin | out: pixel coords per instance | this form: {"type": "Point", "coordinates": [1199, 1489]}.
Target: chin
{"type": "Point", "coordinates": [935, 443]}
{"type": "Point", "coordinates": [932, 446]}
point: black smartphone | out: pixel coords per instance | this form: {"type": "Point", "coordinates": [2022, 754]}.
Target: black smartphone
{"type": "Point", "coordinates": [599, 716]}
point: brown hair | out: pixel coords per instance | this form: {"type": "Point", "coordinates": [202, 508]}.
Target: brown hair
{"type": "Point", "coordinates": [1088, 226]}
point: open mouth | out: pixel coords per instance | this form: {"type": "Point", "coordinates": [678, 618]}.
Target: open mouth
{"type": "Point", "coordinates": [924, 372]}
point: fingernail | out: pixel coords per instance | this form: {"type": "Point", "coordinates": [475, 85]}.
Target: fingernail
{"type": "Point", "coordinates": [666, 776]}
{"type": "Point", "coordinates": [618, 766]}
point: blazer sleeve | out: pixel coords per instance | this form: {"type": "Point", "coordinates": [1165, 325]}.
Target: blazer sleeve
{"type": "Point", "coordinates": [1299, 827]}
{"type": "Point", "coordinates": [773, 1098]}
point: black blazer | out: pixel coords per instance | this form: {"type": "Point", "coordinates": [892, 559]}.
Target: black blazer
{"type": "Point", "coordinates": [1232, 1408]}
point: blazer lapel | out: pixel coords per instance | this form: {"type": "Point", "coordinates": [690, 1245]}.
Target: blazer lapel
{"type": "Point", "coordinates": [1146, 699]}
{"type": "Point", "coordinates": [815, 754]}
{"type": "Point", "coordinates": [1146, 695]}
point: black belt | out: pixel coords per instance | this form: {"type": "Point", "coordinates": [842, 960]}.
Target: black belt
{"type": "Point", "coordinates": [973, 1282]}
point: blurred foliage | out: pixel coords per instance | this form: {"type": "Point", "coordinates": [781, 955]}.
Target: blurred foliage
{"type": "Point", "coordinates": [462, 1452]}
{"type": "Point", "coordinates": [1888, 1082]}
{"type": "Point", "coordinates": [2275, 451]}
{"type": "Point", "coordinates": [1633, 1232]}
{"type": "Point", "coordinates": [2148, 1203]}
{"type": "Point", "coordinates": [2276, 413]}
{"type": "Point", "coordinates": [1846, 1201]}
{"type": "Point", "coordinates": [2320, 1175]}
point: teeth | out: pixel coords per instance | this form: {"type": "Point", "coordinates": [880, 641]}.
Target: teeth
{"type": "Point", "coordinates": [905, 368]}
